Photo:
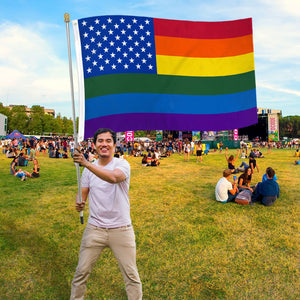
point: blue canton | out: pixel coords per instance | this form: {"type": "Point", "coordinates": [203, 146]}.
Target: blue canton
{"type": "Point", "coordinates": [117, 44]}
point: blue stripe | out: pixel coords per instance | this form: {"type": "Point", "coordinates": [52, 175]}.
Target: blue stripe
{"type": "Point", "coordinates": [171, 104]}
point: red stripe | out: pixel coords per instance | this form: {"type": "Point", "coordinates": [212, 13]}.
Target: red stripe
{"type": "Point", "coordinates": [202, 30]}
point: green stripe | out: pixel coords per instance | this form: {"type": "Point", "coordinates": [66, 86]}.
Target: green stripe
{"type": "Point", "coordinates": [166, 84]}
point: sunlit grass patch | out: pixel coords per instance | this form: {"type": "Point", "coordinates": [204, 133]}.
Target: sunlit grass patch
{"type": "Point", "coordinates": [188, 245]}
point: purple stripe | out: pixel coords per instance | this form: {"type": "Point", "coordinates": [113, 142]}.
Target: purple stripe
{"type": "Point", "coordinates": [184, 122]}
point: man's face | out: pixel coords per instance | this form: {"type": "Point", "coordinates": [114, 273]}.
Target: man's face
{"type": "Point", "coordinates": [105, 145]}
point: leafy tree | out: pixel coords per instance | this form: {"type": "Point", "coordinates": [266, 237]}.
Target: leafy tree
{"type": "Point", "coordinates": [57, 125]}
{"type": "Point", "coordinates": [68, 126]}
{"type": "Point", "coordinates": [5, 111]}
{"type": "Point", "coordinates": [47, 121]}
{"type": "Point", "coordinates": [290, 126]}
{"type": "Point", "coordinates": [19, 119]}
{"type": "Point", "coordinates": [35, 124]}
{"type": "Point", "coordinates": [144, 133]}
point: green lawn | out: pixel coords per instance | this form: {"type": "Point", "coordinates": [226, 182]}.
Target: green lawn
{"type": "Point", "coordinates": [188, 245]}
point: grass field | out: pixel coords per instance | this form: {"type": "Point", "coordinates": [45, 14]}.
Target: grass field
{"type": "Point", "coordinates": [188, 245]}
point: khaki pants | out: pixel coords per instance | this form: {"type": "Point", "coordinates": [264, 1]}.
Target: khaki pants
{"type": "Point", "coordinates": [122, 243]}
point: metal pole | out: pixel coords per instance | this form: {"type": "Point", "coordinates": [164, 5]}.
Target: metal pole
{"type": "Point", "coordinates": [75, 135]}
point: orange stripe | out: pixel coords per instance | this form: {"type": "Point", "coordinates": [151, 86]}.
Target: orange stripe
{"type": "Point", "coordinates": [203, 47]}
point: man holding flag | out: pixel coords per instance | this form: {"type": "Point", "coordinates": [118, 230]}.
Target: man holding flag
{"type": "Point", "coordinates": [168, 63]}
{"type": "Point", "coordinates": [106, 182]}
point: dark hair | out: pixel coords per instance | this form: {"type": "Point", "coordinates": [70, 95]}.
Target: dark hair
{"type": "Point", "coordinates": [246, 178]}
{"type": "Point", "coordinates": [104, 130]}
{"type": "Point", "coordinates": [270, 172]}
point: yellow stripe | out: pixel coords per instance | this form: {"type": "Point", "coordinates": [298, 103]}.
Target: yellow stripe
{"type": "Point", "coordinates": [193, 66]}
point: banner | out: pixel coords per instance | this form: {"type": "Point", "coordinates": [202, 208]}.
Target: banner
{"type": "Point", "coordinates": [235, 134]}
{"type": "Point", "coordinates": [196, 135]}
{"type": "Point", "coordinates": [194, 75]}
{"type": "Point", "coordinates": [159, 135]}
{"type": "Point", "coordinates": [273, 127]}
{"type": "Point", "coordinates": [129, 136]}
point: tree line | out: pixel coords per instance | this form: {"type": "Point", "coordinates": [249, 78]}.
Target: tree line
{"type": "Point", "coordinates": [289, 126]}
{"type": "Point", "coordinates": [36, 122]}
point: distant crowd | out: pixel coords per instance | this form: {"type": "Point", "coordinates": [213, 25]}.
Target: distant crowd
{"type": "Point", "coordinates": [24, 150]}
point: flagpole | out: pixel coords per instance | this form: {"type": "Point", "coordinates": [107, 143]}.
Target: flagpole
{"type": "Point", "coordinates": [75, 135]}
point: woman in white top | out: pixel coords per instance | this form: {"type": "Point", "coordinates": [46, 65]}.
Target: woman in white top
{"type": "Point", "coordinates": [187, 149]}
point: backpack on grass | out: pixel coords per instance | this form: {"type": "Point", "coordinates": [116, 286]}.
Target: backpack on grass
{"type": "Point", "coordinates": [244, 197]}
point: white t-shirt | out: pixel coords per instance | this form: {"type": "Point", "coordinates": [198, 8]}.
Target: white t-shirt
{"type": "Point", "coordinates": [72, 145]}
{"type": "Point", "coordinates": [108, 203]}
{"type": "Point", "coordinates": [222, 188]}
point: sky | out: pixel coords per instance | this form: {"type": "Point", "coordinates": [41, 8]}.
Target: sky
{"type": "Point", "coordinates": [34, 65]}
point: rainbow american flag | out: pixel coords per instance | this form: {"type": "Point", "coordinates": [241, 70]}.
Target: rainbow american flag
{"type": "Point", "coordinates": [141, 73]}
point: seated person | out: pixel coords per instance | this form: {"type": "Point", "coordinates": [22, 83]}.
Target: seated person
{"type": "Point", "coordinates": [144, 160]}
{"type": "Point", "coordinates": [267, 191]}
{"type": "Point", "coordinates": [253, 153]}
{"type": "Point", "coordinates": [149, 156]}
{"type": "Point", "coordinates": [245, 180]}
{"type": "Point", "coordinates": [65, 154]}
{"type": "Point", "coordinates": [226, 191]}
{"type": "Point", "coordinates": [252, 163]}
{"type": "Point", "coordinates": [297, 162]}
{"type": "Point", "coordinates": [259, 154]}
{"type": "Point", "coordinates": [57, 153]}
{"type": "Point", "coordinates": [17, 172]}
{"type": "Point", "coordinates": [264, 178]}
{"type": "Point", "coordinates": [36, 170]}
{"type": "Point", "coordinates": [243, 154]}
{"type": "Point", "coordinates": [231, 162]}
{"type": "Point", "coordinates": [154, 161]}
{"type": "Point", "coordinates": [22, 161]}
{"type": "Point", "coordinates": [138, 153]}
{"type": "Point", "coordinates": [157, 154]}
{"type": "Point", "coordinates": [51, 153]}
{"type": "Point", "coordinates": [10, 153]}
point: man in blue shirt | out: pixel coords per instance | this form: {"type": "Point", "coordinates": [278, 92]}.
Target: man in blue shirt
{"type": "Point", "coordinates": [267, 191]}
{"type": "Point", "coordinates": [264, 178]}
